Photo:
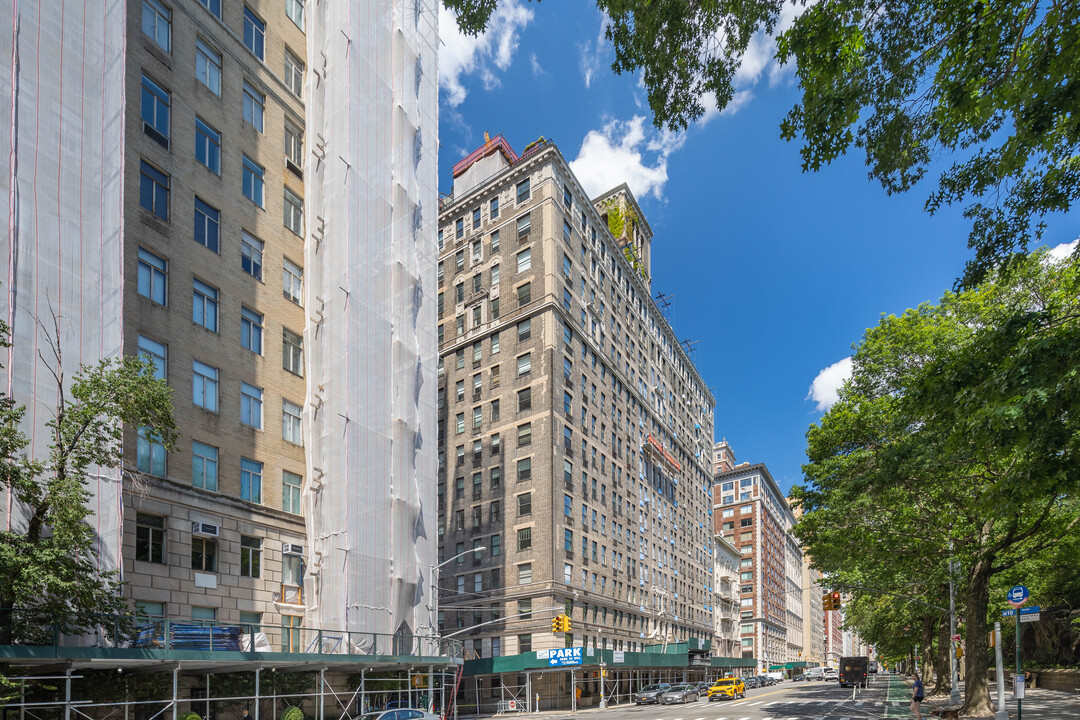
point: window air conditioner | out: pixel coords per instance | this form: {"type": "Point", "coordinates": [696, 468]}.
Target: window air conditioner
{"type": "Point", "coordinates": [291, 549]}
{"type": "Point", "coordinates": [204, 530]}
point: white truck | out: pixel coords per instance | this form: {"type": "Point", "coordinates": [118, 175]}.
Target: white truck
{"type": "Point", "coordinates": [814, 673]}
{"type": "Point", "coordinates": [776, 676]}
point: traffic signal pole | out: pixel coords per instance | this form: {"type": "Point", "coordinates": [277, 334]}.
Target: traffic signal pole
{"type": "Point", "coordinates": [1018, 681]}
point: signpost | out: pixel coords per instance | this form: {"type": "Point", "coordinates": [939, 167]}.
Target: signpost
{"type": "Point", "coordinates": [1017, 596]}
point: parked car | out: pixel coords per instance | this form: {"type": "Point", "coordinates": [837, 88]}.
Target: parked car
{"type": "Point", "coordinates": [765, 681]}
{"type": "Point", "coordinates": [651, 693]}
{"type": "Point", "coordinates": [751, 682]}
{"type": "Point", "coordinates": [682, 693]}
{"type": "Point", "coordinates": [831, 673]}
{"type": "Point", "coordinates": [398, 714]}
{"type": "Point", "coordinates": [702, 687]}
{"type": "Point", "coordinates": [727, 689]}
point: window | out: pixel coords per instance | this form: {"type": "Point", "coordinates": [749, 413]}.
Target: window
{"type": "Point", "coordinates": [251, 255]}
{"type": "Point", "coordinates": [524, 224]}
{"type": "Point", "coordinates": [523, 190]}
{"type": "Point", "coordinates": [156, 108]}
{"type": "Point", "coordinates": [254, 107]}
{"type": "Point", "coordinates": [157, 23]}
{"type": "Point", "coordinates": [524, 432]}
{"type": "Point", "coordinates": [495, 242]}
{"type": "Point", "coordinates": [524, 539]}
{"type": "Point", "coordinates": [207, 145]}
{"type": "Point", "coordinates": [251, 330]}
{"type": "Point", "coordinates": [150, 538]}
{"type": "Point", "coordinates": [251, 405]}
{"type": "Point", "coordinates": [251, 480]}
{"type": "Point", "coordinates": [208, 66]}
{"type": "Point", "coordinates": [204, 466]}
{"type": "Point", "coordinates": [154, 190]}
{"type": "Point", "coordinates": [292, 281]}
{"type": "Point", "coordinates": [292, 352]}
{"type": "Point", "coordinates": [496, 447]}
{"type": "Point", "coordinates": [478, 417]}
{"type": "Point", "coordinates": [524, 469]}
{"type": "Point", "coordinates": [295, 10]}
{"type": "Point", "coordinates": [253, 181]}
{"type": "Point", "coordinates": [493, 209]}
{"type": "Point", "coordinates": [204, 305]}
{"type": "Point", "coordinates": [254, 34]}
{"type": "Point", "coordinates": [524, 399]}
{"type": "Point", "coordinates": [207, 225]}
{"type": "Point", "coordinates": [250, 556]}
{"type": "Point", "coordinates": [524, 294]}
{"type": "Point", "coordinates": [290, 633]}
{"type": "Point", "coordinates": [524, 364]}
{"type": "Point", "coordinates": [746, 509]}
{"type": "Point", "coordinates": [153, 276]}
{"type": "Point", "coordinates": [294, 212]}
{"type": "Point", "coordinates": [291, 423]}
{"type": "Point", "coordinates": [290, 492]}
{"type": "Point", "coordinates": [524, 330]}
{"type": "Point", "coordinates": [294, 144]}
{"type": "Point", "coordinates": [746, 522]}
{"type": "Point", "coordinates": [496, 540]}
{"type": "Point", "coordinates": [204, 386]}
{"type": "Point", "coordinates": [294, 74]}
{"type": "Point", "coordinates": [214, 6]}
{"type": "Point", "coordinates": [524, 573]}
{"type": "Point", "coordinates": [203, 556]}
{"type": "Point", "coordinates": [157, 353]}
{"type": "Point", "coordinates": [151, 453]}
{"type": "Point", "coordinates": [567, 266]}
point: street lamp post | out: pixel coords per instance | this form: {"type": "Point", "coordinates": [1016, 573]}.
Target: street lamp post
{"type": "Point", "coordinates": [954, 680]}
{"type": "Point", "coordinates": [433, 620]}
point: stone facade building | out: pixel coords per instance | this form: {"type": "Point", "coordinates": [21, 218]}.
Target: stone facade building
{"type": "Point", "coordinates": [575, 432]}
{"type": "Point", "coordinates": [192, 229]}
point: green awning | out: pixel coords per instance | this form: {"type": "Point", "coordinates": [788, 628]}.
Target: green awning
{"type": "Point", "coordinates": [792, 665]}
{"type": "Point", "coordinates": [727, 662]}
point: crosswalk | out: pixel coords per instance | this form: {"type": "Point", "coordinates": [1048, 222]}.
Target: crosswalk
{"type": "Point", "coordinates": [801, 709]}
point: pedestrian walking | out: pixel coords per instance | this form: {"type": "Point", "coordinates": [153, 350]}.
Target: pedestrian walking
{"type": "Point", "coordinates": [917, 695]}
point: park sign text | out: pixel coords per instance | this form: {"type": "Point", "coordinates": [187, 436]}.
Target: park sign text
{"type": "Point", "coordinates": [564, 656]}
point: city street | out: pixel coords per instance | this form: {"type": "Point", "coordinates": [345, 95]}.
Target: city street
{"type": "Point", "coordinates": [886, 697]}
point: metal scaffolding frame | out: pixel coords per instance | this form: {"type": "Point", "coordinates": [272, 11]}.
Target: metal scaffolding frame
{"type": "Point", "coordinates": [345, 700]}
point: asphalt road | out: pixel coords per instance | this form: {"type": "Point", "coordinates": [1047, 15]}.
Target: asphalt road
{"type": "Point", "coordinates": [785, 701]}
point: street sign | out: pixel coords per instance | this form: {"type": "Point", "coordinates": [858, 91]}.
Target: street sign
{"type": "Point", "coordinates": [1033, 610]}
{"type": "Point", "coordinates": [562, 657]}
{"type": "Point", "coordinates": [1018, 595]}
{"type": "Point", "coordinates": [956, 638]}
{"type": "Point", "coordinates": [1008, 613]}
{"type": "Point", "coordinates": [1030, 617]}
{"type": "Point", "coordinates": [618, 656]}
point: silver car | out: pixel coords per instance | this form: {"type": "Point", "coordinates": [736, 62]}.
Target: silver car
{"type": "Point", "coordinates": [680, 694]}
{"type": "Point", "coordinates": [651, 693]}
{"type": "Point", "coordinates": [398, 714]}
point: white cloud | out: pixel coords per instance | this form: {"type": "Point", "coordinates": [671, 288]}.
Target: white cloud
{"type": "Point", "coordinates": [758, 60]}
{"type": "Point", "coordinates": [1063, 251]}
{"type": "Point", "coordinates": [461, 55]}
{"type": "Point", "coordinates": [826, 386]}
{"type": "Point", "coordinates": [537, 71]}
{"type": "Point", "coordinates": [615, 154]}
{"type": "Point", "coordinates": [591, 52]}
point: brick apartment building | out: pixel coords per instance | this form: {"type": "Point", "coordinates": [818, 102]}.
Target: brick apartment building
{"type": "Point", "coordinates": [751, 512]}
{"type": "Point", "coordinates": [575, 432]}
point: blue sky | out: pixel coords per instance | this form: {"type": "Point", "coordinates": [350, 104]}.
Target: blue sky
{"type": "Point", "coordinates": [774, 272]}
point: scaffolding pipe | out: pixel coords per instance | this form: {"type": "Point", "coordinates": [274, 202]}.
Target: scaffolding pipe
{"type": "Point", "coordinates": [207, 695]}
{"type": "Point", "coordinates": [67, 694]}
{"type": "Point", "coordinates": [258, 672]}
{"type": "Point", "coordinates": [175, 680]}
{"type": "Point", "coordinates": [322, 693]}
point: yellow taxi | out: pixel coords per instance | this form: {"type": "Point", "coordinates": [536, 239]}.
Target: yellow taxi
{"type": "Point", "coordinates": [727, 689]}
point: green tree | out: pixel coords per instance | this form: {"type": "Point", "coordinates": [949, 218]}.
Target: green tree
{"type": "Point", "coordinates": [992, 86]}
{"type": "Point", "coordinates": [49, 581]}
{"type": "Point", "coordinates": [958, 436]}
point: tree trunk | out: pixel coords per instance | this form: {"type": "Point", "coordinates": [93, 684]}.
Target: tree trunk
{"type": "Point", "coordinates": [976, 666]}
{"type": "Point", "coordinates": [926, 648]}
{"type": "Point", "coordinates": [941, 660]}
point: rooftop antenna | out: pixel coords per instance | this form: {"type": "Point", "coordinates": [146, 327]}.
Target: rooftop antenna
{"type": "Point", "coordinates": [664, 303]}
{"type": "Point", "coordinates": [688, 345]}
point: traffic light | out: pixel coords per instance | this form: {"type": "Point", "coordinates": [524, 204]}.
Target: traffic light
{"type": "Point", "coordinates": [566, 623]}
{"type": "Point", "coordinates": [556, 624]}
{"type": "Point", "coordinates": [831, 601]}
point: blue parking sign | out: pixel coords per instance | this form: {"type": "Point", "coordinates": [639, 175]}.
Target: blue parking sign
{"type": "Point", "coordinates": [564, 656]}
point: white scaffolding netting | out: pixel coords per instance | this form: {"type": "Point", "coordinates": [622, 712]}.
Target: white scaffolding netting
{"type": "Point", "coordinates": [370, 292]}
{"type": "Point", "coordinates": [63, 98]}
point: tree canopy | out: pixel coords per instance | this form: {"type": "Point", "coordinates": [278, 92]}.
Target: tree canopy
{"type": "Point", "coordinates": [49, 578]}
{"type": "Point", "coordinates": [990, 89]}
{"type": "Point", "coordinates": [956, 438]}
